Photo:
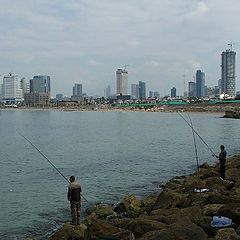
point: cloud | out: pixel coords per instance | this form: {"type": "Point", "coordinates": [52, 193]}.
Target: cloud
{"type": "Point", "coordinates": [160, 40]}
{"type": "Point", "coordinates": [195, 64]}
{"type": "Point", "coordinates": [95, 63]}
{"type": "Point", "coordinates": [152, 64]}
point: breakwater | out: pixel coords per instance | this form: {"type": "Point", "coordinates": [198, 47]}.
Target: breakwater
{"type": "Point", "coordinates": [183, 210]}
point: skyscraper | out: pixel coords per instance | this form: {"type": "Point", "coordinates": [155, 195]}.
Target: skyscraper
{"type": "Point", "coordinates": [108, 91]}
{"type": "Point", "coordinates": [25, 85]}
{"type": "Point", "coordinates": [134, 91]}
{"type": "Point", "coordinates": [122, 81]}
{"type": "Point", "coordinates": [77, 90]}
{"type": "Point", "coordinates": [191, 89]}
{"type": "Point", "coordinates": [12, 92]}
{"type": "Point", "coordinates": [40, 91]}
{"type": "Point", "coordinates": [142, 90]}
{"type": "Point", "coordinates": [173, 92]}
{"type": "Point", "coordinates": [200, 83]}
{"type": "Point", "coordinates": [40, 84]}
{"type": "Point", "coordinates": [228, 80]}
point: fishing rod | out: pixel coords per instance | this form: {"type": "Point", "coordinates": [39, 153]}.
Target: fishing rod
{"type": "Point", "coordinates": [213, 154]}
{"type": "Point", "coordinates": [194, 141]}
{"type": "Point", "coordinates": [49, 161]}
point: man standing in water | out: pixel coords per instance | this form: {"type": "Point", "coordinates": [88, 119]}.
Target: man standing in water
{"type": "Point", "coordinates": [74, 196]}
{"type": "Point", "coordinates": [222, 159]}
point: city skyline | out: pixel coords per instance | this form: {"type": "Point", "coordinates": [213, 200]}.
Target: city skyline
{"type": "Point", "coordinates": [86, 41]}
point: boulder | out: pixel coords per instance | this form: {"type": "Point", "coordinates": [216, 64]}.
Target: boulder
{"type": "Point", "coordinates": [231, 210]}
{"type": "Point", "coordinates": [73, 232]}
{"type": "Point", "coordinates": [175, 183]}
{"type": "Point", "coordinates": [187, 214]}
{"type": "Point", "coordinates": [102, 211]}
{"type": "Point", "coordinates": [227, 234]}
{"type": "Point", "coordinates": [130, 205]}
{"type": "Point", "coordinates": [148, 202]}
{"type": "Point", "coordinates": [140, 226]}
{"type": "Point", "coordinates": [99, 229]}
{"type": "Point", "coordinates": [205, 223]}
{"type": "Point", "coordinates": [187, 230]}
{"type": "Point", "coordinates": [212, 209]}
{"type": "Point", "coordinates": [180, 230]}
{"type": "Point", "coordinates": [157, 235]}
{"type": "Point", "coordinates": [223, 198]}
{"type": "Point", "coordinates": [170, 199]}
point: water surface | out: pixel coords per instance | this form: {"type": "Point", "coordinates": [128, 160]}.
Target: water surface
{"type": "Point", "coordinates": [111, 153]}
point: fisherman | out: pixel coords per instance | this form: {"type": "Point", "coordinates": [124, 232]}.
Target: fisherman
{"type": "Point", "coordinates": [222, 159]}
{"type": "Point", "coordinates": [74, 196]}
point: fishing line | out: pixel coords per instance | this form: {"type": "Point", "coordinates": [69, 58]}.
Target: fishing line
{"type": "Point", "coordinates": [213, 154]}
{"type": "Point", "coordinates": [48, 161]}
{"type": "Point", "coordinates": [194, 141]}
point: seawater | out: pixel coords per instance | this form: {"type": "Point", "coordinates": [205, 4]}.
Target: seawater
{"type": "Point", "coordinates": [112, 154]}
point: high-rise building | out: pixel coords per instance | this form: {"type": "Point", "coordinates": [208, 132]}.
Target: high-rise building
{"type": "Point", "coordinates": [25, 85]}
{"type": "Point", "coordinates": [156, 94]}
{"type": "Point", "coordinates": [122, 81]}
{"type": "Point", "coordinates": [77, 90]}
{"type": "Point", "coordinates": [135, 91]}
{"type": "Point", "coordinates": [150, 95]}
{"type": "Point", "coordinates": [173, 92]}
{"type": "Point", "coordinates": [108, 91]}
{"type": "Point", "coordinates": [228, 80]}
{"type": "Point", "coordinates": [191, 89]}
{"type": "Point", "coordinates": [12, 92]}
{"type": "Point", "coordinates": [40, 84]}
{"type": "Point", "coordinates": [200, 83]}
{"type": "Point", "coordinates": [40, 91]}
{"type": "Point", "coordinates": [142, 90]}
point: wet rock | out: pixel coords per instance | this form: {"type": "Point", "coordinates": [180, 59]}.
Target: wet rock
{"type": "Point", "coordinates": [205, 165]}
{"type": "Point", "coordinates": [130, 205]}
{"type": "Point", "coordinates": [73, 232]}
{"type": "Point", "coordinates": [170, 199]}
{"type": "Point", "coordinates": [227, 234]}
{"type": "Point", "coordinates": [148, 202]}
{"type": "Point", "coordinates": [175, 183]}
{"type": "Point", "coordinates": [102, 211]}
{"type": "Point", "coordinates": [100, 229]}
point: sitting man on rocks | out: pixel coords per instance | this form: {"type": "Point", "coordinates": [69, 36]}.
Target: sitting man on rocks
{"type": "Point", "coordinates": [74, 196]}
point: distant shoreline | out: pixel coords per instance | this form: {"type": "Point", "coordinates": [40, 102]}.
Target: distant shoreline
{"type": "Point", "coordinates": [191, 108]}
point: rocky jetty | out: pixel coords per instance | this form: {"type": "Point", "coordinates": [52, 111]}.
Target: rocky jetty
{"type": "Point", "coordinates": [232, 114]}
{"type": "Point", "coordinates": [183, 210]}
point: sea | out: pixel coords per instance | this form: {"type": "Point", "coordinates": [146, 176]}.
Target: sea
{"type": "Point", "coordinates": [112, 154]}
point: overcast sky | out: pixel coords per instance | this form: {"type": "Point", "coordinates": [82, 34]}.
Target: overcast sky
{"type": "Point", "coordinates": [85, 41]}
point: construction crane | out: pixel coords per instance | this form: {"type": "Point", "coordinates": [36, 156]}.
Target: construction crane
{"type": "Point", "coordinates": [125, 67]}
{"type": "Point", "coordinates": [231, 44]}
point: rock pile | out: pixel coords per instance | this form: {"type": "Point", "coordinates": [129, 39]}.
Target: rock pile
{"type": "Point", "coordinates": [180, 211]}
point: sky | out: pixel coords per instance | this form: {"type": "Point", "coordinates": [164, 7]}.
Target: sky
{"type": "Point", "coordinates": [162, 42]}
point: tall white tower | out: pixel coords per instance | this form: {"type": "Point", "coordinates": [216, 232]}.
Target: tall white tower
{"type": "Point", "coordinates": [228, 79]}
{"type": "Point", "coordinates": [12, 92]}
{"type": "Point", "coordinates": [122, 81]}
